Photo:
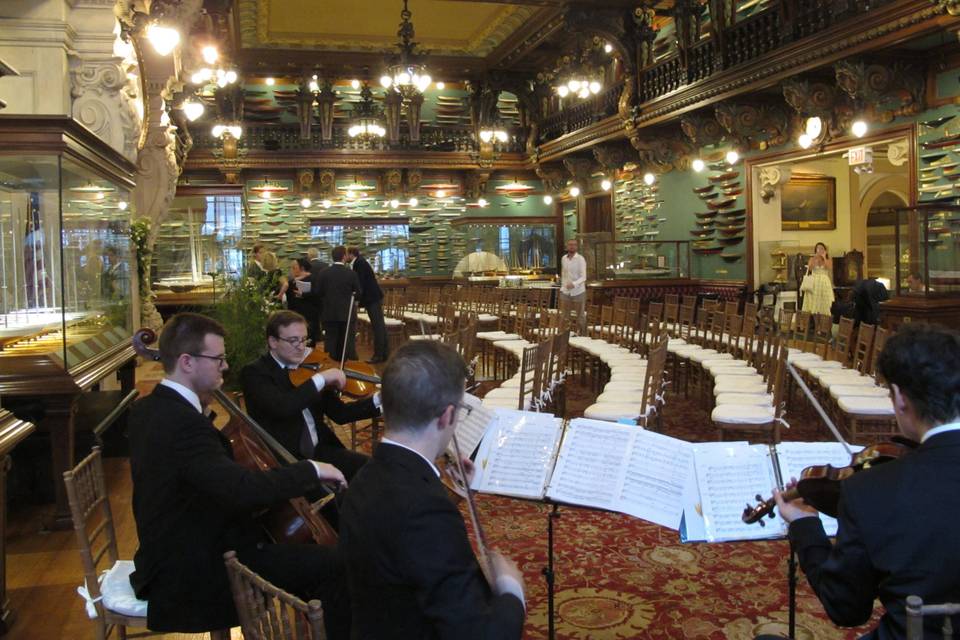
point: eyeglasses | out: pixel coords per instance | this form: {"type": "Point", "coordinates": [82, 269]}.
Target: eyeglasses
{"type": "Point", "coordinates": [295, 341]}
{"type": "Point", "coordinates": [222, 360]}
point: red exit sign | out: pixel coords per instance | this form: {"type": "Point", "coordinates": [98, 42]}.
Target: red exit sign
{"type": "Point", "coordinates": [860, 155]}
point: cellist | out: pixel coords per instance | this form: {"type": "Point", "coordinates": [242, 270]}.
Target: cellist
{"type": "Point", "coordinates": [899, 521]}
{"type": "Point", "coordinates": [295, 415]}
{"type": "Point", "coordinates": [192, 502]}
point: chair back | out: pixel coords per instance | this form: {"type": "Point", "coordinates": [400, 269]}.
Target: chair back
{"type": "Point", "coordinates": [879, 340]}
{"type": "Point", "coordinates": [863, 349]}
{"type": "Point", "coordinates": [671, 298]}
{"type": "Point", "coordinates": [685, 325]}
{"type": "Point", "coordinates": [655, 310]}
{"type": "Point", "coordinates": [653, 381]}
{"type": "Point", "coordinates": [841, 346]}
{"type": "Point", "coordinates": [801, 329]}
{"type": "Point", "coordinates": [92, 521]}
{"type": "Point", "coordinates": [267, 612]}
{"type": "Point", "coordinates": [916, 611]}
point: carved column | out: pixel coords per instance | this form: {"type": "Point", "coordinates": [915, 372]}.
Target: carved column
{"type": "Point", "coordinates": [104, 100]}
{"type": "Point", "coordinates": [413, 116]}
{"type": "Point", "coordinates": [392, 103]}
{"type": "Point", "coordinates": [325, 100]}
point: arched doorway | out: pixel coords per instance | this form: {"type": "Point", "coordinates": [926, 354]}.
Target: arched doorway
{"type": "Point", "coordinates": [881, 242]}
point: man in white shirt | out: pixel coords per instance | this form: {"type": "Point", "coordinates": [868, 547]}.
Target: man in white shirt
{"type": "Point", "coordinates": [411, 571]}
{"type": "Point", "coordinates": [573, 280]}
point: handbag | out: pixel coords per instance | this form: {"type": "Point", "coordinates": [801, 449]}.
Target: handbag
{"type": "Point", "coordinates": [806, 285]}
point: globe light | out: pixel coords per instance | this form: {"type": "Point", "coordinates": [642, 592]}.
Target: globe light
{"type": "Point", "coordinates": [501, 135]}
{"type": "Point", "coordinates": [649, 179]}
{"type": "Point", "coordinates": [608, 47]}
{"type": "Point", "coordinates": [326, 204]}
{"type": "Point", "coordinates": [441, 193]}
{"type": "Point", "coordinates": [355, 83]}
{"type": "Point", "coordinates": [314, 86]}
{"type": "Point", "coordinates": [441, 86]}
{"type": "Point", "coordinates": [218, 130]}
{"type": "Point", "coordinates": [197, 78]}
{"type": "Point", "coordinates": [403, 78]}
{"type": "Point", "coordinates": [859, 128]}
{"type": "Point", "coordinates": [267, 195]}
{"type": "Point", "coordinates": [271, 81]}
{"type": "Point", "coordinates": [231, 76]}
{"type": "Point", "coordinates": [595, 87]}
{"type": "Point", "coordinates": [163, 39]}
{"type": "Point", "coordinates": [732, 157]}
{"type": "Point", "coordinates": [574, 191]}
{"type": "Point", "coordinates": [482, 202]}
{"type": "Point", "coordinates": [486, 135]}
{"type": "Point", "coordinates": [193, 109]}
{"type": "Point", "coordinates": [573, 85]}
{"type": "Point", "coordinates": [548, 199]}
{"type": "Point", "coordinates": [562, 91]}
{"type": "Point", "coordinates": [386, 81]}
{"type": "Point", "coordinates": [305, 203]}
{"type": "Point", "coordinates": [122, 205]}
{"type": "Point", "coordinates": [394, 203]}
{"type": "Point", "coordinates": [699, 165]}
{"type": "Point", "coordinates": [606, 184]}
{"type": "Point", "coordinates": [805, 140]}
{"type": "Point", "coordinates": [209, 54]}
{"type": "Point", "coordinates": [813, 127]}
{"type": "Point", "coordinates": [413, 202]}
{"type": "Point", "coordinates": [235, 131]}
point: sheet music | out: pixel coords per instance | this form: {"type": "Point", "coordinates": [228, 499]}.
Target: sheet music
{"type": "Point", "coordinates": [517, 454]}
{"type": "Point", "coordinates": [656, 471]}
{"type": "Point", "coordinates": [796, 456]}
{"type": "Point", "coordinates": [693, 528]}
{"type": "Point", "coordinates": [591, 463]}
{"type": "Point", "coordinates": [471, 426]}
{"type": "Point", "coordinates": [729, 478]}
{"type": "Point", "coordinates": [303, 286]}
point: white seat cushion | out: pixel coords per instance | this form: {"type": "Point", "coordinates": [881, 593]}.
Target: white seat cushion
{"type": "Point", "coordinates": [505, 403]}
{"type": "Point", "coordinates": [117, 592]}
{"type": "Point", "coordinates": [747, 386]}
{"type": "Point", "coordinates": [760, 399]}
{"type": "Point", "coordinates": [487, 317]}
{"type": "Point", "coordinates": [392, 322]}
{"type": "Point", "coordinates": [808, 365]}
{"type": "Point", "coordinates": [428, 336]}
{"type": "Point", "coordinates": [742, 414]}
{"type": "Point", "coordinates": [613, 411]}
{"type": "Point", "coordinates": [711, 365]}
{"type": "Point", "coordinates": [838, 390]}
{"type": "Point", "coordinates": [716, 372]}
{"type": "Point", "coordinates": [865, 405]}
{"type": "Point", "coordinates": [625, 388]}
{"type": "Point", "coordinates": [846, 378]}
{"type": "Point", "coordinates": [708, 354]}
{"type": "Point", "coordinates": [504, 392]}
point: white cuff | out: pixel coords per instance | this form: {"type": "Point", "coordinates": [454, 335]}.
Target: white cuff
{"type": "Point", "coordinates": [377, 400]}
{"type": "Point", "coordinates": [509, 584]}
{"type": "Point", "coordinates": [316, 467]}
{"type": "Point", "coordinates": [318, 381]}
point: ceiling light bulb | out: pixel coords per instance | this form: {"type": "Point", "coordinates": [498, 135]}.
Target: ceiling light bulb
{"type": "Point", "coordinates": [394, 203]}
{"type": "Point", "coordinates": [608, 47]}
{"type": "Point", "coordinates": [231, 76]}
{"type": "Point", "coordinates": [732, 157]}
{"type": "Point", "coordinates": [122, 205]}
{"type": "Point", "coordinates": [699, 165]}
{"type": "Point", "coordinates": [386, 81]}
{"type": "Point", "coordinates": [482, 202]}
{"type": "Point", "coordinates": [209, 54]}
{"type": "Point", "coordinates": [218, 130]}
{"type": "Point", "coordinates": [267, 195]}
{"type": "Point", "coordinates": [441, 193]}
{"type": "Point", "coordinates": [192, 109]}
{"type": "Point", "coordinates": [595, 87]}
{"type": "Point", "coordinates": [197, 78]}
{"type": "Point", "coordinates": [574, 191]}
{"type": "Point", "coordinates": [584, 92]}
{"type": "Point", "coordinates": [606, 184]}
{"type": "Point", "coordinates": [403, 78]}
{"type": "Point", "coordinates": [548, 199]}
{"type": "Point", "coordinates": [326, 204]}
{"type": "Point", "coordinates": [355, 83]}
{"type": "Point", "coordinates": [100, 195]}
{"type": "Point", "coordinates": [859, 128]}
{"type": "Point", "coordinates": [206, 73]}
{"type": "Point", "coordinates": [413, 202]}
{"type": "Point", "coordinates": [314, 86]}
{"type": "Point", "coordinates": [805, 141]}
{"type": "Point", "coordinates": [813, 127]}
{"type": "Point", "coordinates": [441, 86]}
{"type": "Point", "coordinates": [649, 179]}
{"type": "Point", "coordinates": [235, 131]}
{"type": "Point", "coordinates": [486, 135]}
{"type": "Point", "coordinates": [501, 136]}
{"type": "Point", "coordinates": [562, 91]}
{"type": "Point", "coordinates": [305, 203]}
{"type": "Point", "coordinates": [163, 39]}
{"type": "Point", "coordinates": [271, 82]}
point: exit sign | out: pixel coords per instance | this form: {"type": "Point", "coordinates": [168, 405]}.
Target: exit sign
{"type": "Point", "coordinates": [860, 155]}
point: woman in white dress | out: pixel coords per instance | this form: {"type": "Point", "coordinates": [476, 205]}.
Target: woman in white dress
{"type": "Point", "coordinates": [819, 299]}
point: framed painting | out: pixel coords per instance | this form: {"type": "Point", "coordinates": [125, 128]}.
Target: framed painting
{"type": "Point", "coordinates": [809, 202]}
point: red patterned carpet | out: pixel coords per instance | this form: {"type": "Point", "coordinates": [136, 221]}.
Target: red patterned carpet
{"type": "Point", "coordinates": [620, 577]}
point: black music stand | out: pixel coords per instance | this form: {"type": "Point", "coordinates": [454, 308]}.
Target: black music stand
{"type": "Point", "coordinates": [548, 572]}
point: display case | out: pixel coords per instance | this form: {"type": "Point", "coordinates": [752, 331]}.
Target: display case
{"type": "Point", "coordinates": [198, 243]}
{"type": "Point", "coordinates": [928, 250]}
{"type": "Point", "coordinates": [625, 259]}
{"type": "Point", "coordinates": [383, 242]}
{"type": "Point", "coordinates": [65, 256]}
{"type": "Point", "coordinates": [494, 247]}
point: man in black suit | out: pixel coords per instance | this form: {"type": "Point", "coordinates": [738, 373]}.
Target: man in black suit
{"type": "Point", "coordinates": [318, 265]}
{"type": "Point", "coordinates": [339, 288]}
{"type": "Point", "coordinates": [192, 502]}
{"type": "Point", "coordinates": [410, 569]}
{"type": "Point", "coordinates": [295, 415]}
{"type": "Point", "coordinates": [371, 300]}
{"type": "Point", "coordinates": [867, 296]}
{"type": "Point", "coordinates": [307, 303]}
{"type": "Point", "coordinates": [898, 521]}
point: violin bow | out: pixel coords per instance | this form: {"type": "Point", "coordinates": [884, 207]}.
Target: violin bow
{"type": "Point", "coordinates": [485, 565]}
{"type": "Point", "coordinates": [346, 333]}
{"type": "Point", "coordinates": [816, 405]}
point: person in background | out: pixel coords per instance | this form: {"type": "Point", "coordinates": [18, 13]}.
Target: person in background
{"type": "Point", "coordinates": [915, 283]}
{"type": "Point", "coordinates": [339, 290]}
{"type": "Point", "coordinates": [819, 299]}
{"type": "Point", "coordinates": [371, 299]}
{"type": "Point", "coordinates": [313, 255]}
{"type": "Point", "coordinates": [867, 296]}
{"type": "Point", "coordinates": [255, 269]}
{"type": "Point", "coordinates": [573, 279]}
{"type": "Point", "coordinates": [306, 303]}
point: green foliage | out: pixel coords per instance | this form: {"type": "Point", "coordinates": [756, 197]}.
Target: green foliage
{"type": "Point", "coordinates": [140, 235]}
{"type": "Point", "coordinates": [243, 311]}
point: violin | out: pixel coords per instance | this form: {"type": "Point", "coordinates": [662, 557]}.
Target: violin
{"type": "Point", "coordinates": [362, 378]}
{"type": "Point", "coordinates": [819, 485]}
{"type": "Point", "coordinates": [296, 521]}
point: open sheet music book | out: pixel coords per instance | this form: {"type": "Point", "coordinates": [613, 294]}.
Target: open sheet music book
{"type": "Point", "coordinates": [586, 463]}
{"type": "Point", "coordinates": [729, 475]}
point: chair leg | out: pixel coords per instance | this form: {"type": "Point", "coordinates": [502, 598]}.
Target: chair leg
{"type": "Point", "coordinates": [222, 634]}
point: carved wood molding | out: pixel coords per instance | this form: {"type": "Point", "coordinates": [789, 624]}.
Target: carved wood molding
{"type": "Point", "coordinates": [662, 151]}
{"type": "Point", "coordinates": [702, 130]}
{"type": "Point", "coordinates": [885, 90]}
{"type": "Point", "coordinates": [610, 128]}
{"type": "Point", "coordinates": [754, 126]}
{"type": "Point", "coordinates": [201, 160]}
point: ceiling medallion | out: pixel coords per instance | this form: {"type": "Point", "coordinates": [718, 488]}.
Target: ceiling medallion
{"type": "Point", "coordinates": [407, 74]}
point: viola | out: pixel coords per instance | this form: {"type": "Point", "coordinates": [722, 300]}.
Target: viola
{"type": "Point", "coordinates": [819, 485]}
{"type": "Point", "coordinates": [296, 521]}
{"type": "Point", "coordinates": [362, 378]}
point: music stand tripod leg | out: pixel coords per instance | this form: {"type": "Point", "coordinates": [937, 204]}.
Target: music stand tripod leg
{"type": "Point", "coordinates": [792, 593]}
{"type": "Point", "coordinates": [548, 572]}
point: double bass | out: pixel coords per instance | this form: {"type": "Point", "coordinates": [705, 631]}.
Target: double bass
{"type": "Point", "coordinates": [296, 521]}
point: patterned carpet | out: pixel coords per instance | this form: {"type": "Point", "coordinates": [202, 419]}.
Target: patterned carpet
{"type": "Point", "coordinates": [620, 577]}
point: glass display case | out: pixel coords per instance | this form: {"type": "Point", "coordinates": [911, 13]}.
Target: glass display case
{"type": "Point", "coordinates": [66, 276]}
{"type": "Point", "coordinates": [495, 247]}
{"type": "Point", "coordinates": [198, 241]}
{"type": "Point", "coordinates": [626, 259]}
{"type": "Point", "coordinates": [928, 250]}
{"type": "Point", "coordinates": [384, 242]}
{"type": "Point", "coordinates": [774, 261]}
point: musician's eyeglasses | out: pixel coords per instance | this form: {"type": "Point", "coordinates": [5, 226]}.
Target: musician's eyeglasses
{"type": "Point", "coordinates": [295, 341]}
{"type": "Point", "coordinates": [221, 360]}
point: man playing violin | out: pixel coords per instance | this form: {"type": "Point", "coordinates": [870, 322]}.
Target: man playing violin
{"type": "Point", "coordinates": [410, 569]}
{"type": "Point", "coordinates": [295, 415]}
{"type": "Point", "coordinates": [192, 502]}
{"type": "Point", "coordinates": [898, 521]}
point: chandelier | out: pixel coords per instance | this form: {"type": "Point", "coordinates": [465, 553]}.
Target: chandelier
{"type": "Point", "coordinates": [365, 123]}
{"type": "Point", "coordinates": [408, 75]}
{"type": "Point", "coordinates": [493, 133]}
{"type": "Point", "coordinates": [580, 74]}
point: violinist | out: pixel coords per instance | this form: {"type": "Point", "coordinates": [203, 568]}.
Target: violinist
{"type": "Point", "coordinates": [898, 521]}
{"type": "Point", "coordinates": [295, 415]}
{"type": "Point", "coordinates": [411, 570]}
{"type": "Point", "coordinates": [192, 502]}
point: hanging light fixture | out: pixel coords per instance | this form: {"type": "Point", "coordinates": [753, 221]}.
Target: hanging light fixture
{"type": "Point", "coordinates": [578, 77]}
{"type": "Point", "coordinates": [493, 133]}
{"type": "Point", "coordinates": [366, 123]}
{"type": "Point", "coordinates": [407, 74]}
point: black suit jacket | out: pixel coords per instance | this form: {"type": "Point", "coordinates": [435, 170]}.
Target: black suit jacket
{"type": "Point", "coordinates": [337, 282]}
{"type": "Point", "coordinates": [899, 535]}
{"type": "Point", "coordinates": [867, 296]}
{"type": "Point", "coordinates": [368, 282]}
{"type": "Point", "coordinates": [192, 503]}
{"type": "Point", "coordinates": [278, 406]}
{"type": "Point", "coordinates": [410, 569]}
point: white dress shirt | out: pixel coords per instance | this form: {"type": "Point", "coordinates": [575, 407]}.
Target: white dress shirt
{"type": "Point", "coordinates": [943, 428]}
{"type": "Point", "coordinates": [573, 271]}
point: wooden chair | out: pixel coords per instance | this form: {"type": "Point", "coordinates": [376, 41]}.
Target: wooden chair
{"type": "Point", "coordinates": [269, 613]}
{"type": "Point", "coordinates": [671, 298]}
{"type": "Point", "coordinates": [916, 611]}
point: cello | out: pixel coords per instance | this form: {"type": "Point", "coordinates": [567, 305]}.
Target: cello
{"type": "Point", "coordinates": [296, 521]}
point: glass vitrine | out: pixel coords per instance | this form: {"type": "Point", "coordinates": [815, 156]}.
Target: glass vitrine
{"type": "Point", "coordinates": [66, 274]}
{"type": "Point", "coordinates": [493, 247]}
{"type": "Point", "coordinates": [383, 242]}
{"type": "Point", "coordinates": [928, 250]}
{"type": "Point", "coordinates": [625, 259]}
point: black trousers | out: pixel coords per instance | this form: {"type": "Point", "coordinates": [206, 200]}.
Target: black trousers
{"type": "Point", "coordinates": [310, 572]}
{"type": "Point", "coordinates": [381, 349]}
{"type": "Point", "coordinates": [335, 333]}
